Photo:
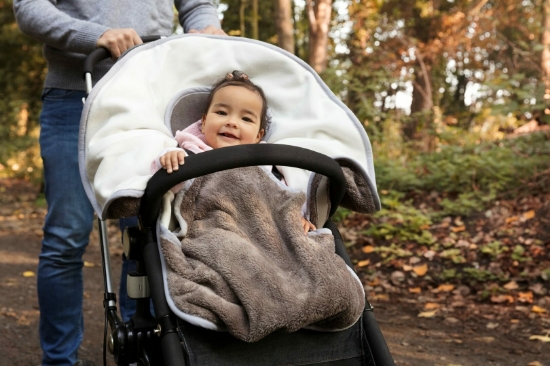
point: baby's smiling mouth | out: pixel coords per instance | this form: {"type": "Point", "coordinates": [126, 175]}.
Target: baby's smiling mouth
{"type": "Point", "coordinates": [228, 135]}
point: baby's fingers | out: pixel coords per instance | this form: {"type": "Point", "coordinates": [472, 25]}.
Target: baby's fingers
{"type": "Point", "coordinates": [305, 225]}
{"type": "Point", "coordinates": [181, 157]}
{"type": "Point", "coordinates": [174, 161]}
{"type": "Point", "coordinates": [162, 161]}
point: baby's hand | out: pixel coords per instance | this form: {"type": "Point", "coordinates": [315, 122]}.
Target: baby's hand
{"type": "Point", "coordinates": [172, 160]}
{"type": "Point", "coordinates": [308, 226]}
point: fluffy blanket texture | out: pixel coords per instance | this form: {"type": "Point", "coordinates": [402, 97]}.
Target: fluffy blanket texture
{"type": "Point", "coordinates": [245, 265]}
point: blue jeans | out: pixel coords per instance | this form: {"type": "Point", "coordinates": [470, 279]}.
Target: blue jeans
{"type": "Point", "coordinates": [66, 229]}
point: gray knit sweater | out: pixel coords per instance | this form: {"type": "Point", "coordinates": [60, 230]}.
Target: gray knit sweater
{"type": "Point", "coordinates": [70, 29]}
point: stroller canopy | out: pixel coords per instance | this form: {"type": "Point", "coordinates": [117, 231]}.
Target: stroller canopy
{"type": "Point", "coordinates": [132, 113]}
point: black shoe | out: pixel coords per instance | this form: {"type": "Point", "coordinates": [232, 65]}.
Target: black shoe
{"type": "Point", "coordinates": [84, 363]}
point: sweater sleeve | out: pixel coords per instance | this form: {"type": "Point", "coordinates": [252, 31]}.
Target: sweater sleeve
{"type": "Point", "coordinates": [41, 20]}
{"type": "Point", "coordinates": [197, 14]}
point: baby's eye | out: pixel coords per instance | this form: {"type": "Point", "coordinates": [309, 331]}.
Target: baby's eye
{"type": "Point", "coordinates": [247, 119]}
{"type": "Point", "coordinates": [221, 113]}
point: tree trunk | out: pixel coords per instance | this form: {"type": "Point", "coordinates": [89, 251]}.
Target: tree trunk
{"type": "Point", "coordinates": [422, 93]}
{"type": "Point", "coordinates": [319, 13]}
{"type": "Point", "coordinates": [283, 24]}
{"type": "Point", "coordinates": [255, 34]}
{"type": "Point", "coordinates": [241, 18]}
{"type": "Point", "coordinates": [546, 43]}
{"type": "Point", "coordinates": [422, 104]}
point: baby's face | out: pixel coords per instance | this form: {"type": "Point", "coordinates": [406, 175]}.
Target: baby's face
{"type": "Point", "coordinates": [233, 118]}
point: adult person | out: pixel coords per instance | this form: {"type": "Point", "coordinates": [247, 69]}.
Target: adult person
{"type": "Point", "coordinates": [69, 31]}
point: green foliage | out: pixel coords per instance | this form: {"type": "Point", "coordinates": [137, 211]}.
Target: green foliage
{"type": "Point", "coordinates": [22, 72]}
{"type": "Point", "coordinates": [400, 221]}
{"type": "Point", "coordinates": [494, 249]}
{"type": "Point", "coordinates": [478, 275]}
{"type": "Point", "coordinates": [389, 253]}
{"type": "Point", "coordinates": [454, 255]}
{"type": "Point", "coordinates": [519, 254]}
{"type": "Point", "coordinates": [231, 22]}
{"type": "Point", "coordinates": [341, 214]}
{"type": "Point", "coordinates": [449, 274]}
{"type": "Point", "coordinates": [470, 176]}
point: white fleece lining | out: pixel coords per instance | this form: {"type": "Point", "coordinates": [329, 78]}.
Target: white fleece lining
{"type": "Point", "coordinates": [123, 123]}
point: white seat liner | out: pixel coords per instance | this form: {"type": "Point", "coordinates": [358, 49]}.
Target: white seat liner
{"type": "Point", "coordinates": [124, 124]}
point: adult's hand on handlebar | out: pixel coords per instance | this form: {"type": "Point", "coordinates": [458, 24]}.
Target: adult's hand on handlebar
{"type": "Point", "coordinates": [210, 30]}
{"type": "Point", "coordinates": [118, 40]}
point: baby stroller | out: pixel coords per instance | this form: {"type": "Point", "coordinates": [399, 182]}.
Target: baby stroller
{"type": "Point", "coordinates": [131, 115]}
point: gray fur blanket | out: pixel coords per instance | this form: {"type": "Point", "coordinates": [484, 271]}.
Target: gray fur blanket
{"type": "Point", "coordinates": [245, 265]}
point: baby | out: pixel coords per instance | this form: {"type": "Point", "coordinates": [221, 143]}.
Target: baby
{"type": "Point", "coordinates": [235, 114]}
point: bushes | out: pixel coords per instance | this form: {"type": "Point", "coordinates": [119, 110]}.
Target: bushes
{"type": "Point", "coordinates": [469, 177]}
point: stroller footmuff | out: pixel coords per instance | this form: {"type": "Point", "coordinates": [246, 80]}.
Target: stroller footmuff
{"type": "Point", "coordinates": [132, 114]}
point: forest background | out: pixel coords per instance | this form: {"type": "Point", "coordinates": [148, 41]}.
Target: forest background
{"type": "Point", "coordinates": [455, 97]}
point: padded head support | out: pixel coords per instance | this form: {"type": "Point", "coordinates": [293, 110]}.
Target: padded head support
{"type": "Point", "coordinates": [186, 108]}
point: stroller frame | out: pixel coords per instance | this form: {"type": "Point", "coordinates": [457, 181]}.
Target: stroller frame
{"type": "Point", "coordinates": [156, 340]}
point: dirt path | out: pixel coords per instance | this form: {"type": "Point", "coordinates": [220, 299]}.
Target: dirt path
{"type": "Point", "coordinates": [475, 334]}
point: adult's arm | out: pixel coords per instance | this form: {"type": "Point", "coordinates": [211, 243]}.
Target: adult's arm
{"type": "Point", "coordinates": [197, 14]}
{"type": "Point", "coordinates": [41, 20]}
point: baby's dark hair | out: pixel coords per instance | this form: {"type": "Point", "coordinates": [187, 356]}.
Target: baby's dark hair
{"type": "Point", "coordinates": [239, 78]}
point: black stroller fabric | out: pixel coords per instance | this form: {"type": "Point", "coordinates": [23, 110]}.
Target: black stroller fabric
{"type": "Point", "coordinates": [305, 347]}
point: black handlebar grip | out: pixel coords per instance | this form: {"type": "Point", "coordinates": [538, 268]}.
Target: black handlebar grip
{"type": "Point", "coordinates": [94, 57]}
{"type": "Point", "coordinates": [101, 54]}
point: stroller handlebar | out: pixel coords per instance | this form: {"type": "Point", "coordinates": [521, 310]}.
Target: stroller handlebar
{"type": "Point", "coordinates": [101, 54]}
{"type": "Point", "coordinates": [237, 157]}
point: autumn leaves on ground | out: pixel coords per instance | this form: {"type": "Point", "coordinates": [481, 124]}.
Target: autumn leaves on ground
{"type": "Point", "coordinates": [469, 297]}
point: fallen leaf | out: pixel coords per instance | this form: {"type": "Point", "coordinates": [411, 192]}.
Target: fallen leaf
{"type": "Point", "coordinates": [364, 263]}
{"type": "Point", "coordinates": [512, 285]}
{"type": "Point", "coordinates": [457, 229]}
{"type": "Point", "coordinates": [451, 320]}
{"type": "Point", "coordinates": [485, 339]}
{"type": "Point", "coordinates": [425, 227]}
{"type": "Point", "coordinates": [415, 290]}
{"type": "Point", "coordinates": [382, 297]}
{"type": "Point", "coordinates": [421, 270]}
{"type": "Point", "coordinates": [545, 339]}
{"type": "Point", "coordinates": [525, 297]}
{"type": "Point", "coordinates": [374, 283]}
{"type": "Point", "coordinates": [429, 254]}
{"type": "Point", "coordinates": [368, 249]}
{"type": "Point", "coordinates": [514, 321]}
{"type": "Point", "coordinates": [529, 214]}
{"type": "Point", "coordinates": [445, 288]}
{"type": "Point", "coordinates": [492, 325]}
{"type": "Point", "coordinates": [511, 219]}
{"type": "Point", "coordinates": [88, 264]}
{"type": "Point", "coordinates": [538, 309]}
{"type": "Point", "coordinates": [407, 267]}
{"type": "Point", "coordinates": [431, 306]}
{"type": "Point", "coordinates": [534, 363]}
{"type": "Point", "coordinates": [427, 314]}
{"type": "Point", "coordinates": [28, 274]}
{"type": "Point", "coordinates": [499, 299]}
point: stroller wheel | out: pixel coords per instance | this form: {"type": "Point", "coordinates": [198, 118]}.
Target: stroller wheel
{"type": "Point", "coordinates": [84, 363]}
